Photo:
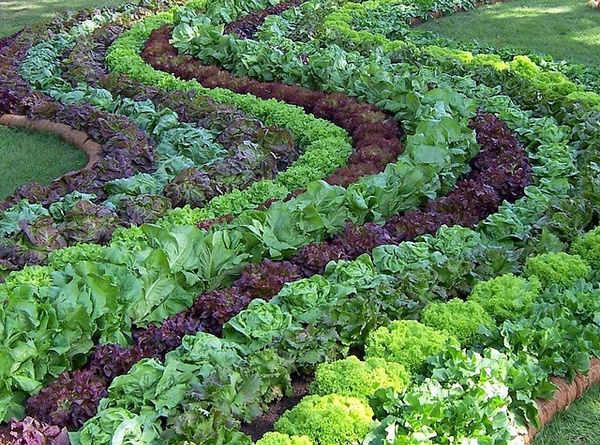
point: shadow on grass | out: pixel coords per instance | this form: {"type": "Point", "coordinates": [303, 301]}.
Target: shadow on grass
{"type": "Point", "coordinates": [561, 27]}
{"type": "Point", "coordinates": [16, 14]}
{"type": "Point", "coordinates": [566, 29]}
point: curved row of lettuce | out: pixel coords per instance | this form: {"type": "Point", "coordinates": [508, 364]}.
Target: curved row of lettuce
{"type": "Point", "coordinates": [474, 395]}
{"type": "Point", "coordinates": [578, 120]}
{"type": "Point", "coordinates": [461, 390]}
{"type": "Point", "coordinates": [367, 25]}
{"type": "Point", "coordinates": [542, 88]}
{"type": "Point", "coordinates": [160, 276]}
{"type": "Point", "coordinates": [211, 277]}
{"type": "Point", "coordinates": [206, 389]}
{"type": "Point", "coordinates": [300, 423]}
{"type": "Point", "coordinates": [475, 197]}
{"type": "Point", "coordinates": [181, 143]}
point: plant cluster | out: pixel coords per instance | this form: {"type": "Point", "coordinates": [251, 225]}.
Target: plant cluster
{"type": "Point", "coordinates": [465, 320]}
{"type": "Point", "coordinates": [355, 378]}
{"type": "Point", "coordinates": [375, 134]}
{"type": "Point", "coordinates": [253, 150]}
{"type": "Point", "coordinates": [212, 309]}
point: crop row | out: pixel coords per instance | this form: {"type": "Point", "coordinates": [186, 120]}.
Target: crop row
{"type": "Point", "coordinates": [179, 146]}
{"type": "Point", "coordinates": [473, 199]}
{"type": "Point", "coordinates": [179, 294]}
{"type": "Point", "coordinates": [208, 387]}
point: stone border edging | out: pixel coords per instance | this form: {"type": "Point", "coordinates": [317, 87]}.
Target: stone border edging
{"type": "Point", "coordinates": [567, 393]}
{"type": "Point", "coordinates": [79, 139]}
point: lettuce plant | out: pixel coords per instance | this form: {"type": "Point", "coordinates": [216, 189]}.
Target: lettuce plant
{"type": "Point", "coordinates": [328, 420]}
{"type": "Point", "coordinates": [506, 296]}
{"type": "Point", "coordinates": [407, 342]}
{"type": "Point", "coordinates": [588, 248]}
{"type": "Point", "coordinates": [468, 321]}
{"type": "Point", "coordinates": [274, 438]}
{"type": "Point", "coordinates": [560, 269]}
{"type": "Point", "coordinates": [355, 378]}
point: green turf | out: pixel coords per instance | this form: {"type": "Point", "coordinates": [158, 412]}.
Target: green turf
{"type": "Point", "coordinates": [565, 29]}
{"type": "Point", "coordinates": [31, 156]}
{"type": "Point", "coordinates": [15, 14]}
{"type": "Point", "coordinates": [34, 156]}
{"type": "Point", "coordinates": [579, 425]}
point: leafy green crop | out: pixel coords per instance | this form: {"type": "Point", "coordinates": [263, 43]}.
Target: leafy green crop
{"type": "Point", "coordinates": [407, 342]}
{"type": "Point", "coordinates": [35, 276]}
{"type": "Point", "coordinates": [466, 320]}
{"type": "Point", "coordinates": [23, 211]}
{"type": "Point", "coordinates": [506, 296]}
{"type": "Point", "coordinates": [328, 420]}
{"type": "Point", "coordinates": [588, 248]}
{"type": "Point", "coordinates": [560, 329]}
{"type": "Point", "coordinates": [466, 399]}
{"type": "Point", "coordinates": [559, 269]}
{"type": "Point", "coordinates": [208, 379]}
{"type": "Point", "coordinates": [258, 326]}
{"type": "Point", "coordinates": [355, 378]}
{"type": "Point", "coordinates": [283, 439]}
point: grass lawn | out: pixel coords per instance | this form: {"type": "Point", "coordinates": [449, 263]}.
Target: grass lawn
{"type": "Point", "coordinates": [579, 425]}
{"type": "Point", "coordinates": [565, 29]}
{"type": "Point", "coordinates": [15, 14]}
{"type": "Point", "coordinates": [31, 156]}
{"type": "Point", "coordinates": [34, 156]}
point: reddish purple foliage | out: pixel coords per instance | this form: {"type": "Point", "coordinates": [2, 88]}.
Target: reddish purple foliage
{"type": "Point", "coordinates": [356, 240]}
{"type": "Point", "coordinates": [266, 279]}
{"type": "Point", "coordinates": [157, 340]}
{"type": "Point", "coordinates": [314, 257]}
{"type": "Point", "coordinates": [110, 361]}
{"type": "Point", "coordinates": [70, 400]}
{"type": "Point", "coordinates": [30, 431]}
{"type": "Point", "coordinates": [217, 307]}
{"type": "Point", "coordinates": [208, 223]}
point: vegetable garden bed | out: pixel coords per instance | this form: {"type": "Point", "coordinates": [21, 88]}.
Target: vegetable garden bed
{"type": "Point", "coordinates": [308, 224]}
